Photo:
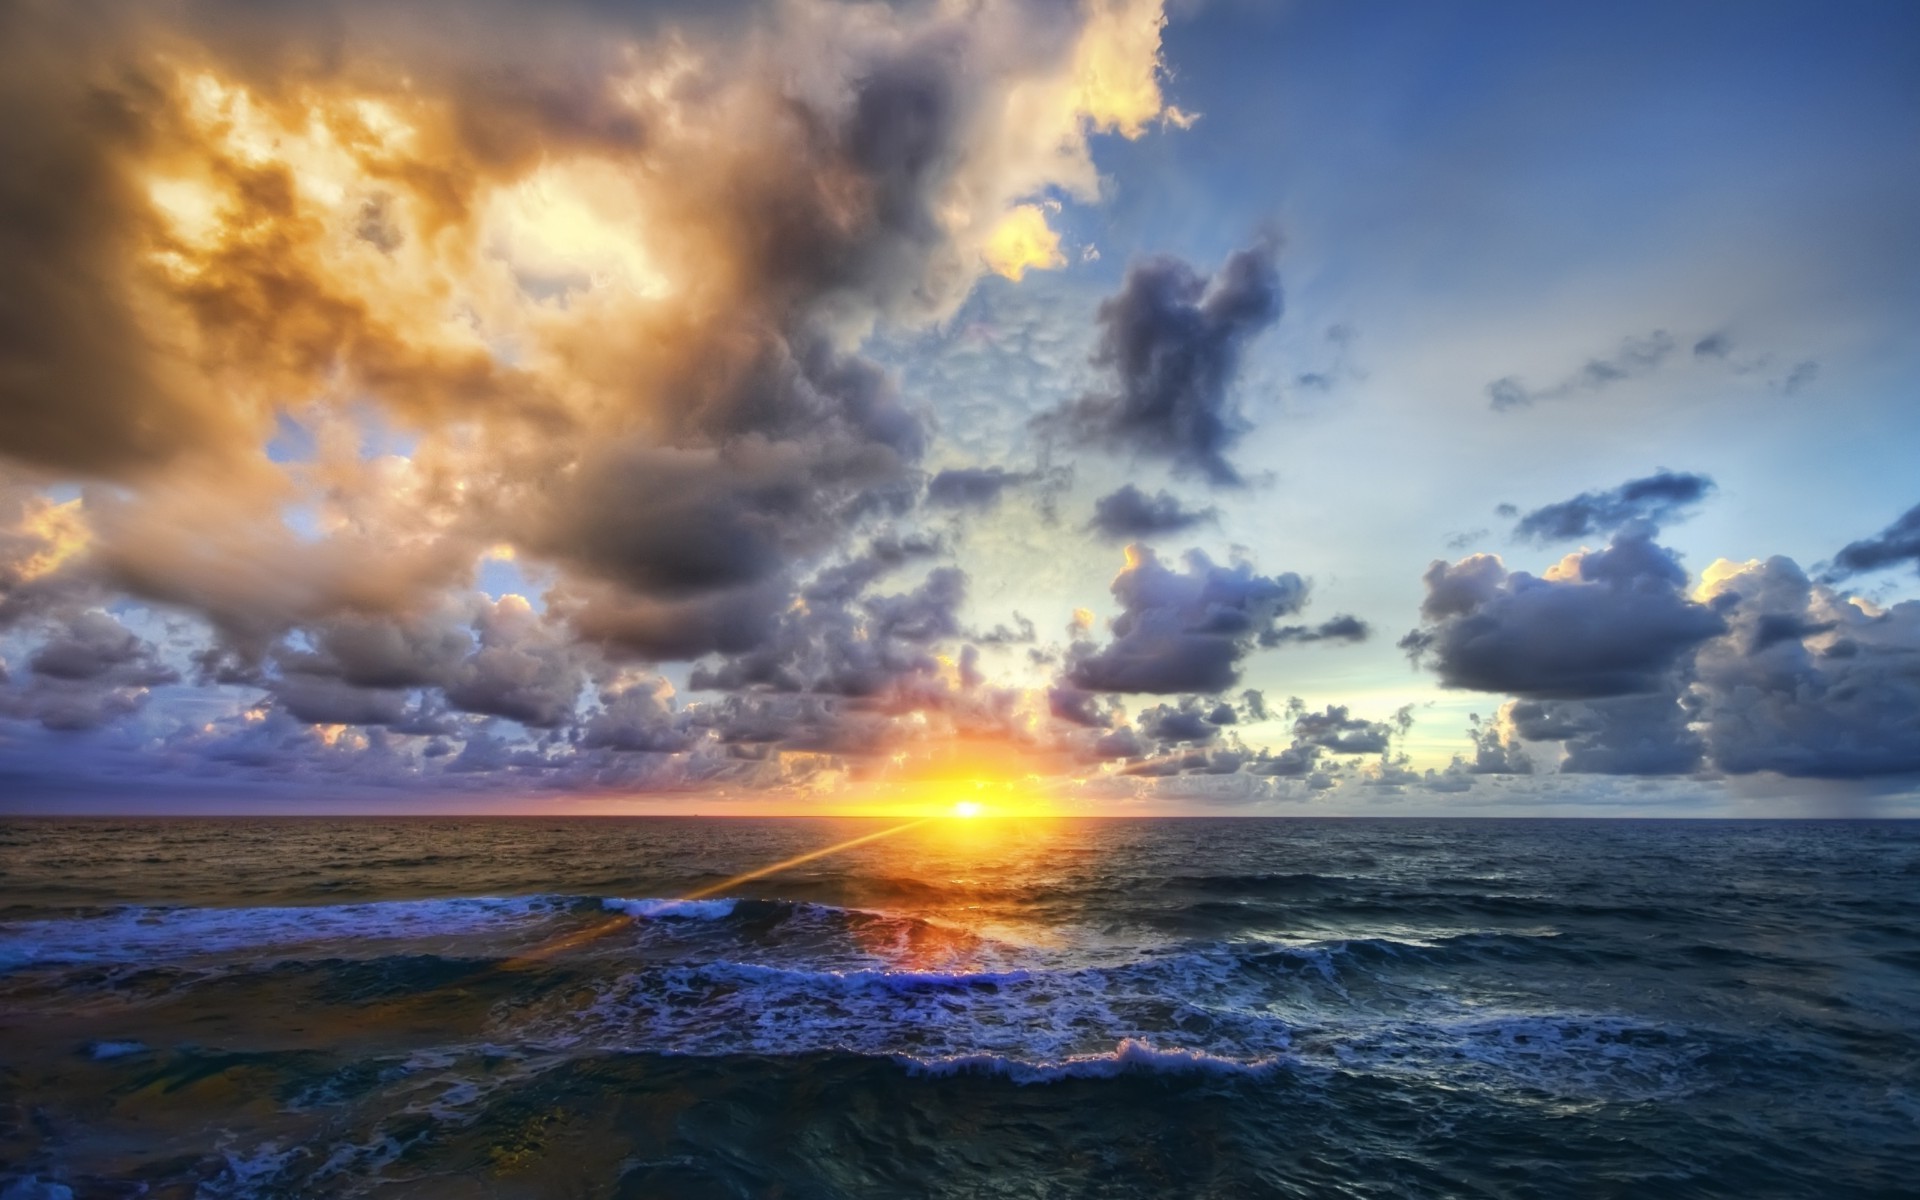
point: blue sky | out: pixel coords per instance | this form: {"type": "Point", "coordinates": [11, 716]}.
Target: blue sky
{"type": "Point", "coordinates": [679, 461]}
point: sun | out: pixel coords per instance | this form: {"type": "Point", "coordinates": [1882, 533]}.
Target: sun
{"type": "Point", "coordinates": [968, 808]}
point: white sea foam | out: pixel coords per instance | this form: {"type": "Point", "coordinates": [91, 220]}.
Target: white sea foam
{"type": "Point", "coordinates": [723, 976]}
{"type": "Point", "coordinates": [106, 1050]}
{"type": "Point", "coordinates": [1131, 1055]}
{"type": "Point", "coordinates": [140, 935]}
{"type": "Point", "coordinates": [1223, 1010]}
{"type": "Point", "coordinates": [685, 910]}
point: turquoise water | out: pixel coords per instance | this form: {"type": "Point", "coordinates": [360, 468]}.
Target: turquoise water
{"type": "Point", "coordinates": [1036, 1009]}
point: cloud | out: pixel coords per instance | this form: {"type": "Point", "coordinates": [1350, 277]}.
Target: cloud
{"type": "Point", "coordinates": [1714, 345]}
{"type": "Point", "coordinates": [1808, 683]}
{"type": "Point", "coordinates": [333, 312]}
{"type": "Point", "coordinates": [608, 269]}
{"type": "Point", "coordinates": [1173, 340]}
{"type": "Point", "coordinates": [840, 642]}
{"type": "Point", "coordinates": [1654, 499]}
{"type": "Point", "coordinates": [1342, 628]}
{"type": "Point", "coordinates": [1129, 514]}
{"type": "Point", "coordinates": [1636, 356]}
{"type": "Point", "coordinates": [1183, 631]}
{"type": "Point", "coordinates": [1896, 544]}
{"type": "Point", "coordinates": [1760, 669]}
{"type": "Point", "coordinates": [91, 646]}
{"type": "Point", "coordinates": [638, 719]}
{"type": "Point", "coordinates": [1799, 377]}
{"type": "Point", "coordinates": [1616, 735]}
{"type": "Point", "coordinates": [1602, 623]}
{"type": "Point", "coordinates": [971, 487]}
{"type": "Point", "coordinates": [1496, 746]}
{"type": "Point", "coordinates": [1022, 242]}
{"type": "Point", "coordinates": [1336, 731]}
{"type": "Point", "coordinates": [88, 670]}
{"type": "Point", "coordinates": [1191, 722]}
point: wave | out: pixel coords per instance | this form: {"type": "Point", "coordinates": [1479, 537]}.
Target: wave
{"type": "Point", "coordinates": [728, 976]}
{"type": "Point", "coordinates": [686, 910]}
{"type": "Point", "coordinates": [1132, 1055]}
{"type": "Point", "coordinates": [1298, 883]}
{"type": "Point", "coordinates": [145, 934]}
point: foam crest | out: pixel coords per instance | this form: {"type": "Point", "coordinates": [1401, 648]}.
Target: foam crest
{"type": "Point", "coordinates": [1132, 1055]}
{"type": "Point", "coordinates": [684, 910]}
{"type": "Point", "coordinates": [140, 934]}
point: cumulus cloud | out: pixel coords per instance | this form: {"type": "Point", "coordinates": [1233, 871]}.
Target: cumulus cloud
{"type": "Point", "coordinates": [1608, 622]}
{"type": "Point", "coordinates": [88, 670]}
{"type": "Point", "coordinates": [1615, 735]}
{"type": "Point", "coordinates": [1809, 683]}
{"type": "Point", "coordinates": [1336, 730]}
{"type": "Point", "coordinates": [1757, 669]}
{"type": "Point", "coordinates": [1497, 748]}
{"type": "Point", "coordinates": [1173, 340]}
{"type": "Point", "coordinates": [1654, 500]}
{"type": "Point", "coordinates": [1129, 514]}
{"type": "Point", "coordinates": [342, 307]}
{"type": "Point", "coordinates": [346, 207]}
{"type": "Point", "coordinates": [1183, 631]}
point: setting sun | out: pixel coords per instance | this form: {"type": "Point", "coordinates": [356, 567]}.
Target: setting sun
{"type": "Point", "coordinates": [967, 808]}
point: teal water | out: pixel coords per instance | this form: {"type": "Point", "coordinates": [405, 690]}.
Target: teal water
{"type": "Point", "coordinates": [1089, 1008]}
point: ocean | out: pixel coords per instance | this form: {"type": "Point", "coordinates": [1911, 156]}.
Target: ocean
{"type": "Point", "coordinates": [990, 1008]}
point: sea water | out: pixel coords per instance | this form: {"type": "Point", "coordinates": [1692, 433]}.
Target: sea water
{"type": "Point", "coordinates": [990, 1008]}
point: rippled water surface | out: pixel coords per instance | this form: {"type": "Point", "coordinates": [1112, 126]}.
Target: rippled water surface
{"type": "Point", "coordinates": [967, 1008]}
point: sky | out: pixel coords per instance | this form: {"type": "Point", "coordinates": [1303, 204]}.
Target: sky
{"type": "Point", "coordinates": [1114, 406]}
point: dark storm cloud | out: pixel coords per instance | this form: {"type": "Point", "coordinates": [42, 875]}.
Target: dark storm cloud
{"type": "Point", "coordinates": [1173, 340]}
{"type": "Point", "coordinates": [1897, 544]}
{"type": "Point", "coordinates": [1183, 631]}
{"type": "Point", "coordinates": [1130, 514]}
{"type": "Point", "coordinates": [1618, 626]}
{"type": "Point", "coordinates": [1655, 499]}
{"type": "Point", "coordinates": [1635, 357]}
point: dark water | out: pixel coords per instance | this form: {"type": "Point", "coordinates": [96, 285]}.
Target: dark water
{"type": "Point", "coordinates": [966, 1009]}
